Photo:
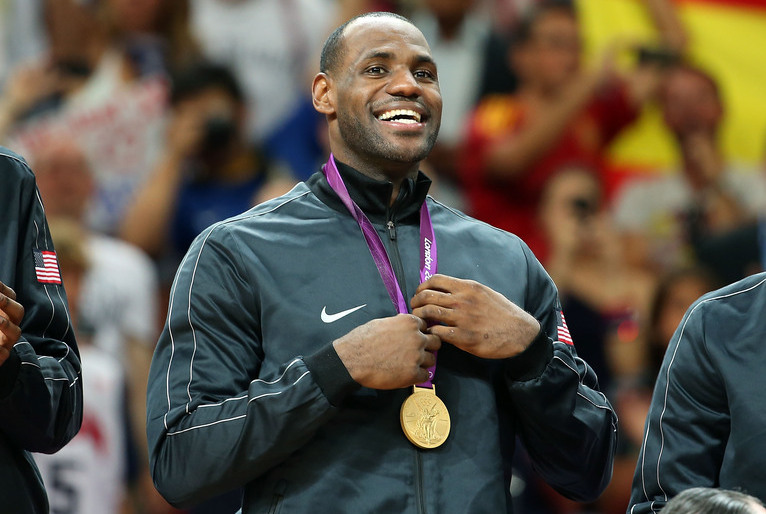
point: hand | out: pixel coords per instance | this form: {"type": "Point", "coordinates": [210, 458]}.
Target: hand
{"type": "Point", "coordinates": [185, 130]}
{"type": "Point", "coordinates": [29, 84]}
{"type": "Point", "coordinates": [474, 317]}
{"type": "Point", "coordinates": [11, 313]}
{"type": "Point", "coordinates": [389, 353]}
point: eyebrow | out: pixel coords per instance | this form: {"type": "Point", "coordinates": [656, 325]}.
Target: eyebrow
{"type": "Point", "coordinates": [380, 54]}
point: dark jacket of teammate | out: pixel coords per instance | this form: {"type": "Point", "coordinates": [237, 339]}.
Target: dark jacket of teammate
{"type": "Point", "coordinates": [707, 421]}
{"type": "Point", "coordinates": [40, 387]}
{"type": "Point", "coordinates": [246, 390]}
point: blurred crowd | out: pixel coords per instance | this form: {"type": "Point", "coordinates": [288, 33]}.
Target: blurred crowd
{"type": "Point", "coordinates": [145, 121]}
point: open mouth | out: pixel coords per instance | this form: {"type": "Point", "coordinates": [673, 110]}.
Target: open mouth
{"type": "Point", "coordinates": [406, 116]}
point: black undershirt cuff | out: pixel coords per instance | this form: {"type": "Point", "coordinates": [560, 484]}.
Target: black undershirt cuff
{"type": "Point", "coordinates": [531, 363]}
{"type": "Point", "coordinates": [330, 374]}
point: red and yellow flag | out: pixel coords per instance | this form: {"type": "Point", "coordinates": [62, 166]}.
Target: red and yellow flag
{"type": "Point", "coordinates": [727, 38]}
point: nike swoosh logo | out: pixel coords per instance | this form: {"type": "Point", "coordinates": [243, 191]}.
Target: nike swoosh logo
{"type": "Point", "coordinates": [329, 318]}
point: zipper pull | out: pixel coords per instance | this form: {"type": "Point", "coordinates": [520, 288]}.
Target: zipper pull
{"type": "Point", "coordinates": [391, 230]}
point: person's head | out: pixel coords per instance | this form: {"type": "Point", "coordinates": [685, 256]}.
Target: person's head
{"type": "Point", "coordinates": [212, 90]}
{"type": "Point", "coordinates": [691, 102]}
{"type": "Point", "coordinates": [675, 293]}
{"type": "Point", "coordinates": [379, 90]}
{"type": "Point", "coordinates": [167, 20]}
{"type": "Point", "coordinates": [571, 198]}
{"type": "Point", "coordinates": [707, 500]}
{"type": "Point", "coordinates": [545, 52]}
{"type": "Point", "coordinates": [64, 178]}
{"type": "Point", "coordinates": [449, 13]}
{"type": "Point", "coordinates": [76, 35]}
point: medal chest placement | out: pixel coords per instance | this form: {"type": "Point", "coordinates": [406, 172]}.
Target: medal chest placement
{"type": "Point", "coordinates": [423, 415]}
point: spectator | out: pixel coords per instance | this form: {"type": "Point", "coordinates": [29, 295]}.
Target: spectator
{"type": "Point", "coordinates": [88, 475]}
{"type": "Point", "coordinates": [458, 32]}
{"type": "Point", "coordinates": [90, 90]}
{"type": "Point", "coordinates": [663, 219]}
{"type": "Point", "coordinates": [706, 500]}
{"type": "Point", "coordinates": [208, 170]}
{"type": "Point", "coordinates": [21, 34]}
{"type": "Point", "coordinates": [270, 46]}
{"type": "Point", "coordinates": [40, 380]}
{"type": "Point", "coordinates": [559, 114]}
{"type": "Point", "coordinates": [607, 302]}
{"type": "Point", "coordinates": [631, 394]}
{"type": "Point", "coordinates": [118, 305]}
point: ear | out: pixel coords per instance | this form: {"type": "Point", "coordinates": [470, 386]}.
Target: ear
{"type": "Point", "coordinates": [321, 94]}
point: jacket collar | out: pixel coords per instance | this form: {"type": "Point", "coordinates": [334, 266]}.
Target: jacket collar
{"type": "Point", "coordinates": [372, 196]}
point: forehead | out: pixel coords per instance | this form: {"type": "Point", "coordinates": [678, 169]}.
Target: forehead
{"type": "Point", "coordinates": [682, 81]}
{"type": "Point", "coordinates": [372, 36]}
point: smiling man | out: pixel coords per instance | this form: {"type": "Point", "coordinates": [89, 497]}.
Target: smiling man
{"type": "Point", "coordinates": [355, 346]}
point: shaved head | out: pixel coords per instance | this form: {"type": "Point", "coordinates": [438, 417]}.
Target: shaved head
{"type": "Point", "coordinates": [334, 50]}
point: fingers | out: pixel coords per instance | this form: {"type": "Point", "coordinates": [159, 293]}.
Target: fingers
{"type": "Point", "coordinates": [10, 307]}
{"type": "Point", "coordinates": [7, 291]}
{"type": "Point", "coordinates": [431, 296]}
{"type": "Point", "coordinates": [433, 343]}
{"type": "Point", "coordinates": [438, 282]}
{"type": "Point", "coordinates": [9, 333]}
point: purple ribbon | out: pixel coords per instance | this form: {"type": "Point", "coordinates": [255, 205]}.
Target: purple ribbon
{"type": "Point", "coordinates": [428, 258]}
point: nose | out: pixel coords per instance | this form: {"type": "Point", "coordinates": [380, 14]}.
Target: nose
{"type": "Point", "coordinates": [403, 83]}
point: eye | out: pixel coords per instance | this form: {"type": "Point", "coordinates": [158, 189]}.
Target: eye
{"type": "Point", "coordinates": [424, 74]}
{"type": "Point", "coordinates": [375, 70]}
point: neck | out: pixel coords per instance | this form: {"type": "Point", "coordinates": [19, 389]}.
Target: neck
{"type": "Point", "coordinates": [383, 170]}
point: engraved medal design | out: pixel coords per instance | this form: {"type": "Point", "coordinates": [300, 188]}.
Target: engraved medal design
{"type": "Point", "coordinates": [425, 419]}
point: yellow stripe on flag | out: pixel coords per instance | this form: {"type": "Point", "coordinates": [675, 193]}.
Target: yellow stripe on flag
{"type": "Point", "coordinates": [727, 40]}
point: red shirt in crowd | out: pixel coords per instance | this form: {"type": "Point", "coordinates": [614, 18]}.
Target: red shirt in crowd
{"type": "Point", "coordinates": [511, 204]}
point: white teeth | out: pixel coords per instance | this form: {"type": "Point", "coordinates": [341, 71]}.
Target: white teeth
{"type": "Point", "coordinates": [404, 115]}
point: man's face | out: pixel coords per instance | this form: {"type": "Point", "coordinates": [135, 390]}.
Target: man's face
{"type": "Point", "coordinates": [385, 95]}
{"type": "Point", "coordinates": [690, 104]}
{"type": "Point", "coordinates": [554, 47]}
{"type": "Point", "coordinates": [64, 180]}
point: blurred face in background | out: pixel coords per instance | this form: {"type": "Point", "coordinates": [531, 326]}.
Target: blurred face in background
{"type": "Point", "coordinates": [449, 10]}
{"type": "Point", "coordinates": [570, 211]}
{"type": "Point", "coordinates": [680, 294]}
{"type": "Point", "coordinates": [136, 16]}
{"type": "Point", "coordinates": [64, 180]}
{"type": "Point", "coordinates": [551, 55]}
{"type": "Point", "coordinates": [690, 103]}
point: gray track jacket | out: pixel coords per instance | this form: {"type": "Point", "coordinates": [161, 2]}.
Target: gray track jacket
{"type": "Point", "coordinates": [246, 390]}
{"type": "Point", "coordinates": [40, 387]}
{"type": "Point", "coordinates": [707, 421]}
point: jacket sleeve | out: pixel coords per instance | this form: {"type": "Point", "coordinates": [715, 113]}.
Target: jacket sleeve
{"type": "Point", "coordinates": [688, 422]}
{"type": "Point", "coordinates": [216, 420]}
{"type": "Point", "coordinates": [566, 424]}
{"type": "Point", "coordinates": [40, 386]}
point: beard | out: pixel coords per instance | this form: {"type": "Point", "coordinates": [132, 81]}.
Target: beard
{"type": "Point", "coordinates": [364, 141]}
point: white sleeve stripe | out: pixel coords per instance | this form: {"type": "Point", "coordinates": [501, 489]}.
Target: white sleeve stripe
{"type": "Point", "coordinates": [191, 285]}
{"type": "Point", "coordinates": [205, 425]}
{"type": "Point", "coordinates": [244, 396]}
{"type": "Point", "coordinates": [667, 388]}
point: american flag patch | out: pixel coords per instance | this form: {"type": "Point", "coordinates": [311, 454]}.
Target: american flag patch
{"type": "Point", "coordinates": [47, 267]}
{"type": "Point", "coordinates": [563, 331]}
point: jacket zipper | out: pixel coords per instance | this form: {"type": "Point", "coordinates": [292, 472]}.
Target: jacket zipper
{"type": "Point", "coordinates": [394, 257]}
{"type": "Point", "coordinates": [396, 262]}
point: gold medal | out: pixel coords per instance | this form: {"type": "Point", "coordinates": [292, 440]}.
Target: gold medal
{"type": "Point", "coordinates": [424, 417]}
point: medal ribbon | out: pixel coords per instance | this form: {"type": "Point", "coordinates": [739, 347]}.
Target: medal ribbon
{"type": "Point", "coordinates": [428, 258]}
